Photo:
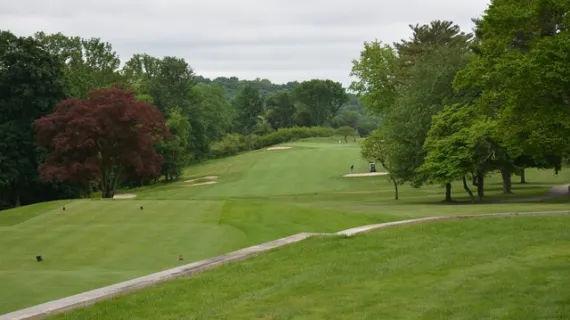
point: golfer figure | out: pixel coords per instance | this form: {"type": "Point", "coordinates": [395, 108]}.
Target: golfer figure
{"type": "Point", "coordinates": [351, 168]}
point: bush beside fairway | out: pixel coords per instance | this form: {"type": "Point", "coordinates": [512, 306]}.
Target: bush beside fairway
{"type": "Point", "coordinates": [497, 268]}
{"type": "Point", "coordinates": [261, 196]}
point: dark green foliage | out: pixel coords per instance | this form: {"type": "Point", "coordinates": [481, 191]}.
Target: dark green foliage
{"type": "Point", "coordinates": [321, 98]}
{"type": "Point", "coordinates": [234, 85]}
{"type": "Point", "coordinates": [281, 110]}
{"type": "Point", "coordinates": [249, 106]}
{"type": "Point", "coordinates": [174, 149]}
{"type": "Point", "coordinates": [31, 83]}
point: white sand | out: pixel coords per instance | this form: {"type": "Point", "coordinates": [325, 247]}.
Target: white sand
{"type": "Point", "coordinates": [368, 174]}
{"type": "Point", "coordinates": [278, 148]}
{"type": "Point", "coordinates": [203, 178]}
{"type": "Point", "coordinates": [201, 184]}
{"type": "Point", "coordinates": [125, 196]}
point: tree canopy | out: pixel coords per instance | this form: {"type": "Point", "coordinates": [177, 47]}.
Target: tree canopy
{"type": "Point", "coordinates": [107, 137]}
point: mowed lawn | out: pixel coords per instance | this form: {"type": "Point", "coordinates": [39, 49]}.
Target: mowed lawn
{"type": "Point", "coordinates": [260, 196]}
{"type": "Point", "coordinates": [494, 268]}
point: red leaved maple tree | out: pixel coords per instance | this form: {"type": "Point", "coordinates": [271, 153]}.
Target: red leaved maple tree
{"type": "Point", "coordinates": [107, 137]}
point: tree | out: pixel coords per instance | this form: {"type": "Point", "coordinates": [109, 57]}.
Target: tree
{"type": "Point", "coordinates": [375, 73]}
{"type": "Point", "coordinates": [89, 63]}
{"type": "Point", "coordinates": [172, 84]}
{"type": "Point", "coordinates": [462, 141]}
{"type": "Point", "coordinates": [31, 83]}
{"type": "Point", "coordinates": [281, 110]}
{"type": "Point", "coordinates": [418, 84]}
{"type": "Point", "coordinates": [107, 137]}
{"type": "Point", "coordinates": [211, 117]}
{"type": "Point", "coordinates": [429, 88]}
{"type": "Point", "coordinates": [323, 99]}
{"type": "Point", "coordinates": [139, 73]}
{"type": "Point", "coordinates": [521, 69]}
{"type": "Point", "coordinates": [249, 106]}
{"type": "Point", "coordinates": [347, 118]}
{"type": "Point", "coordinates": [346, 132]}
{"type": "Point", "coordinates": [425, 39]}
{"type": "Point", "coordinates": [376, 147]}
{"type": "Point", "coordinates": [174, 148]}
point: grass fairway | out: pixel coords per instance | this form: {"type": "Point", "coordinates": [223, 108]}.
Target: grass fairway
{"type": "Point", "coordinates": [260, 196]}
{"type": "Point", "coordinates": [498, 268]}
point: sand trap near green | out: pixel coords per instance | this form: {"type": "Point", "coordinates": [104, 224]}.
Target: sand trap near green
{"type": "Point", "coordinates": [368, 174]}
{"type": "Point", "coordinates": [278, 148]}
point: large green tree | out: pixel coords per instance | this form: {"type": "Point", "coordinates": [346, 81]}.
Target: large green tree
{"type": "Point", "coordinates": [281, 110]}
{"type": "Point", "coordinates": [428, 90]}
{"type": "Point", "coordinates": [211, 117]}
{"type": "Point", "coordinates": [89, 63]}
{"type": "Point", "coordinates": [322, 98]}
{"type": "Point", "coordinates": [462, 141]}
{"type": "Point", "coordinates": [31, 83]}
{"type": "Point", "coordinates": [249, 106]}
{"type": "Point", "coordinates": [171, 85]}
{"type": "Point", "coordinates": [410, 84]}
{"type": "Point", "coordinates": [375, 76]}
{"type": "Point", "coordinates": [139, 72]}
{"type": "Point", "coordinates": [521, 69]}
{"type": "Point", "coordinates": [425, 39]}
{"type": "Point", "coordinates": [174, 148]}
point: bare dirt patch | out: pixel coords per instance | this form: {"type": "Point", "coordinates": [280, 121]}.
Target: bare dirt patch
{"type": "Point", "coordinates": [125, 196]}
{"type": "Point", "coordinates": [278, 148]}
{"type": "Point", "coordinates": [368, 174]}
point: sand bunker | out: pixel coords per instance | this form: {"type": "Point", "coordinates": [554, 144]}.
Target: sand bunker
{"type": "Point", "coordinates": [203, 178]}
{"type": "Point", "coordinates": [200, 184]}
{"type": "Point", "coordinates": [368, 174]}
{"type": "Point", "coordinates": [125, 196]}
{"type": "Point", "coordinates": [201, 181]}
{"type": "Point", "coordinates": [278, 148]}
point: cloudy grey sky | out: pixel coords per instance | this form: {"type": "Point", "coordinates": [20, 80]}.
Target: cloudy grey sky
{"type": "Point", "coordinates": [281, 40]}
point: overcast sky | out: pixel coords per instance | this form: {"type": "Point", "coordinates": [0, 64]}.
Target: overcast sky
{"type": "Point", "coordinates": [281, 40]}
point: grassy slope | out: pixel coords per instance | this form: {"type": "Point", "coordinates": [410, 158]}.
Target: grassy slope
{"type": "Point", "coordinates": [506, 268]}
{"type": "Point", "coordinates": [262, 195]}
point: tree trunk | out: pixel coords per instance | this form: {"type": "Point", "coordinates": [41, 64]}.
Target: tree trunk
{"type": "Point", "coordinates": [18, 201]}
{"type": "Point", "coordinates": [107, 192]}
{"type": "Point", "coordinates": [396, 194]}
{"type": "Point", "coordinates": [523, 176]}
{"type": "Point", "coordinates": [507, 181]}
{"type": "Point", "coordinates": [15, 185]}
{"type": "Point", "coordinates": [474, 179]}
{"type": "Point", "coordinates": [480, 186]}
{"type": "Point", "coordinates": [448, 192]}
{"type": "Point", "coordinates": [466, 187]}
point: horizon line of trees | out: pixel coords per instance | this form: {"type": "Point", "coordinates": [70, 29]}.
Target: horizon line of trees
{"type": "Point", "coordinates": [458, 106]}
{"type": "Point", "coordinates": [73, 111]}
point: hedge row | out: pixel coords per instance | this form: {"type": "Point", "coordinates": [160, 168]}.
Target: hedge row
{"type": "Point", "coordinates": [235, 143]}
